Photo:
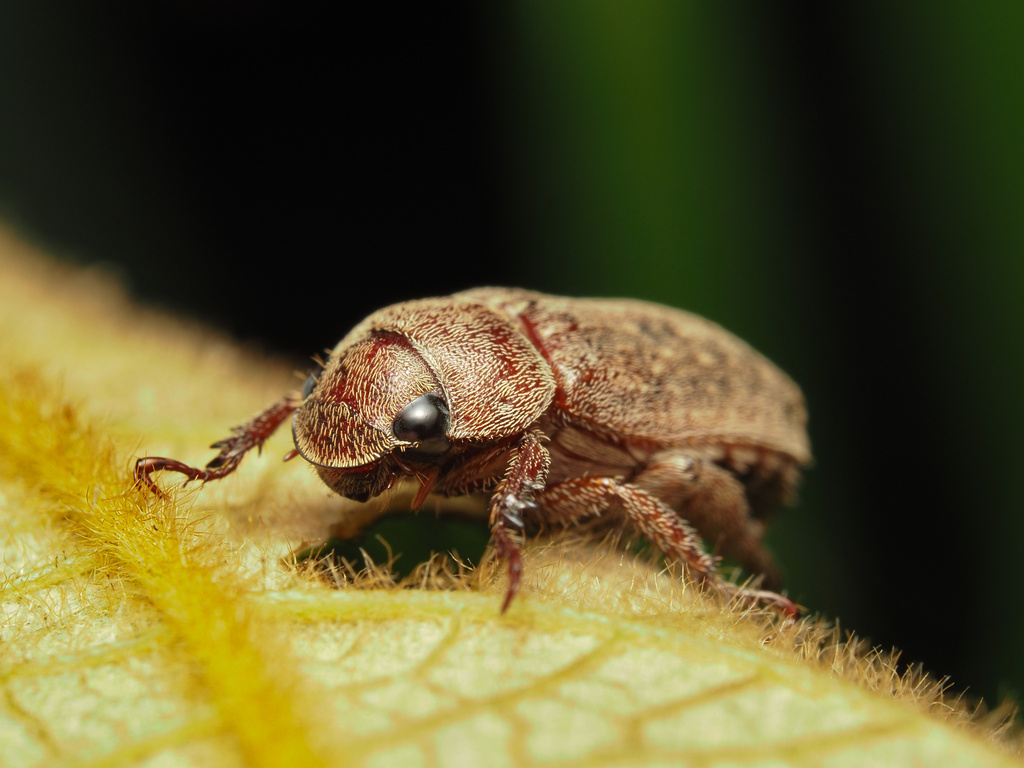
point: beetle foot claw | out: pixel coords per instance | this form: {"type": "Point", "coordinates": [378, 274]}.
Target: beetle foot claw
{"type": "Point", "coordinates": [515, 573]}
{"type": "Point", "coordinates": [747, 596]}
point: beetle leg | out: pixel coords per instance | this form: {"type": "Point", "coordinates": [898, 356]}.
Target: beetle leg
{"type": "Point", "coordinates": [232, 449]}
{"type": "Point", "coordinates": [715, 502]}
{"type": "Point", "coordinates": [573, 499]}
{"type": "Point", "coordinates": [514, 496]}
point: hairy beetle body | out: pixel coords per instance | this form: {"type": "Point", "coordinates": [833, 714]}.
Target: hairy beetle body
{"type": "Point", "coordinates": [561, 409]}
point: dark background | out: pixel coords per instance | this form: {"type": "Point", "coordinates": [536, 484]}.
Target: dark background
{"type": "Point", "coordinates": [843, 186]}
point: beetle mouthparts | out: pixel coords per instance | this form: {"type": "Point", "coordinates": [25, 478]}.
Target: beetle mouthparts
{"type": "Point", "coordinates": [426, 486]}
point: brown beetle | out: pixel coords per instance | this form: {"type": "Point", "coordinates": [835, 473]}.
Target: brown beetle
{"type": "Point", "coordinates": [560, 409]}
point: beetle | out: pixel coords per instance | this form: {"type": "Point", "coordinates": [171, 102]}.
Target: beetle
{"type": "Point", "coordinates": [560, 409]}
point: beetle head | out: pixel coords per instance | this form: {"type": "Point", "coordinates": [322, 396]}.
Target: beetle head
{"type": "Point", "coordinates": [373, 398]}
{"type": "Point", "coordinates": [409, 383]}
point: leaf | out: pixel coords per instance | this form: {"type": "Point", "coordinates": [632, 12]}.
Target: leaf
{"type": "Point", "coordinates": [143, 632]}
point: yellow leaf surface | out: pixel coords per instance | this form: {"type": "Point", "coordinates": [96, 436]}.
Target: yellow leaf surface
{"type": "Point", "coordinates": [137, 631]}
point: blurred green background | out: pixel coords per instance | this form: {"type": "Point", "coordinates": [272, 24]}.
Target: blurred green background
{"type": "Point", "coordinates": [842, 186]}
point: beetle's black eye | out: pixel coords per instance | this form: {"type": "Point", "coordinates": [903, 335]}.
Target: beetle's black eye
{"type": "Point", "coordinates": [311, 380]}
{"type": "Point", "coordinates": [424, 421]}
